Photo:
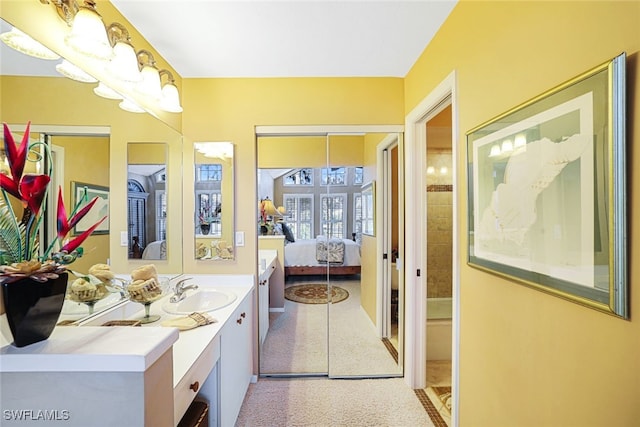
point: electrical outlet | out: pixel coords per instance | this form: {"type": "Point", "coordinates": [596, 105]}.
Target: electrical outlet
{"type": "Point", "coordinates": [239, 238]}
{"type": "Point", "coordinates": [124, 239]}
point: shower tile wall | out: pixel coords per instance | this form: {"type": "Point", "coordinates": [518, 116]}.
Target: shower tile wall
{"type": "Point", "coordinates": [439, 224]}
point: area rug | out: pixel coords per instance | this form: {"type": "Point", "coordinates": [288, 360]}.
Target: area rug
{"type": "Point", "coordinates": [315, 294]}
{"type": "Point", "coordinates": [444, 395]}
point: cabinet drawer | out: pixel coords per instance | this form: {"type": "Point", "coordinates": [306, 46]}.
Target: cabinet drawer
{"type": "Point", "coordinates": [187, 389]}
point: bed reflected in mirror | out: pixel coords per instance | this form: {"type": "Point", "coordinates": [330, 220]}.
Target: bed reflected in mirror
{"type": "Point", "coordinates": [147, 201]}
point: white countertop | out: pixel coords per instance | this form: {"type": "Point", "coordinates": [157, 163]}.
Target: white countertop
{"type": "Point", "coordinates": [122, 348]}
{"type": "Point", "coordinates": [87, 348]}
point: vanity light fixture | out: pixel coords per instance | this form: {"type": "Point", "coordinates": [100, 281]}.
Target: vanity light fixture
{"type": "Point", "coordinates": [124, 62]}
{"type": "Point", "coordinates": [130, 106]}
{"type": "Point", "coordinates": [431, 170]}
{"type": "Point", "coordinates": [170, 100]}
{"type": "Point", "coordinates": [150, 83]}
{"type": "Point", "coordinates": [72, 72]}
{"type": "Point", "coordinates": [23, 43]}
{"type": "Point", "coordinates": [88, 34]}
{"type": "Point", "coordinates": [106, 92]}
{"type": "Point", "coordinates": [216, 150]}
{"type": "Point", "coordinates": [495, 151]}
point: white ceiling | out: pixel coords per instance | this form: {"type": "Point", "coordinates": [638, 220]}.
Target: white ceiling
{"type": "Point", "coordinates": [302, 38]}
{"type": "Point", "coordinates": [266, 38]}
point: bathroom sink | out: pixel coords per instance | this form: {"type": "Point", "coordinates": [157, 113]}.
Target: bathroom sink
{"type": "Point", "coordinates": [200, 300]}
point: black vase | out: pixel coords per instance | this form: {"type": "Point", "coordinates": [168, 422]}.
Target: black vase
{"type": "Point", "coordinates": [33, 308]}
{"type": "Point", "coordinates": [204, 228]}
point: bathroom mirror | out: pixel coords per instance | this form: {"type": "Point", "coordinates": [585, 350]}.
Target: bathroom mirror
{"type": "Point", "coordinates": [147, 201]}
{"type": "Point", "coordinates": [88, 153]}
{"type": "Point", "coordinates": [214, 208]}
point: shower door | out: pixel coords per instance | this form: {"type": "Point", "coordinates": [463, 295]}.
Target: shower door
{"type": "Point", "coordinates": [329, 325]}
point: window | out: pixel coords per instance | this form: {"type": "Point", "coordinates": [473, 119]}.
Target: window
{"type": "Point", "coordinates": [357, 216]}
{"type": "Point", "coordinates": [299, 216]}
{"type": "Point", "coordinates": [299, 177]}
{"type": "Point", "coordinates": [161, 215]}
{"type": "Point", "coordinates": [209, 172]}
{"type": "Point", "coordinates": [208, 209]}
{"type": "Point", "coordinates": [333, 176]}
{"type": "Point", "coordinates": [358, 174]}
{"type": "Point", "coordinates": [333, 218]}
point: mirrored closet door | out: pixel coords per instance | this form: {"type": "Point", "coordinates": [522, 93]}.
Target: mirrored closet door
{"type": "Point", "coordinates": [325, 317]}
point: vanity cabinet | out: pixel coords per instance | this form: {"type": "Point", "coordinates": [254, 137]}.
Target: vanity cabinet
{"type": "Point", "coordinates": [236, 360]}
{"type": "Point", "coordinates": [268, 260]}
{"type": "Point", "coordinates": [276, 280]}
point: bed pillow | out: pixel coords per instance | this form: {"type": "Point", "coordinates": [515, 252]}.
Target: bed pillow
{"type": "Point", "coordinates": [288, 235]}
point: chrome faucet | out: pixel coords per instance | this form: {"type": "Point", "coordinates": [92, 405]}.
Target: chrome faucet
{"type": "Point", "coordinates": [179, 290]}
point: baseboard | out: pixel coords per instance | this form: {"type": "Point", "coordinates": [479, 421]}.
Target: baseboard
{"type": "Point", "coordinates": [276, 309]}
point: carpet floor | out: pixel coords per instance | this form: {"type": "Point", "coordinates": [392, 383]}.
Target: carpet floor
{"type": "Point", "coordinates": [328, 402]}
{"type": "Point", "coordinates": [306, 338]}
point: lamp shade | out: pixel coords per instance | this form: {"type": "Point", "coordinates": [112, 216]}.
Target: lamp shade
{"type": "Point", "coordinates": [130, 106]}
{"type": "Point", "coordinates": [124, 63]}
{"type": "Point", "coordinates": [150, 83]}
{"type": "Point", "coordinates": [88, 34]}
{"type": "Point", "coordinates": [170, 101]}
{"type": "Point", "coordinates": [106, 92]}
{"type": "Point", "coordinates": [23, 43]}
{"type": "Point", "coordinates": [72, 72]}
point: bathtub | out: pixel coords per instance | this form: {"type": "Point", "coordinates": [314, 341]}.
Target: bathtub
{"type": "Point", "coordinates": [439, 328]}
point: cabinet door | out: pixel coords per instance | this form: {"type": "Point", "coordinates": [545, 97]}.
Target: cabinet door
{"type": "Point", "coordinates": [236, 361]}
{"type": "Point", "coordinates": [263, 307]}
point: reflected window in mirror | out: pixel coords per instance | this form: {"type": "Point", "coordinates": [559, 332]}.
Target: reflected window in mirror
{"type": "Point", "coordinates": [147, 201]}
{"type": "Point", "coordinates": [213, 209]}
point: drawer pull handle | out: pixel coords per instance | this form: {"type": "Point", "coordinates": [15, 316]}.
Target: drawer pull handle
{"type": "Point", "coordinates": [195, 386]}
{"type": "Point", "coordinates": [239, 321]}
{"type": "Point", "coordinates": [243, 314]}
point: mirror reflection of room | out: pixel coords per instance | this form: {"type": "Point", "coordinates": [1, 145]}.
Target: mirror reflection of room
{"type": "Point", "coordinates": [307, 201]}
{"type": "Point", "coordinates": [213, 191]}
{"type": "Point", "coordinates": [147, 201]}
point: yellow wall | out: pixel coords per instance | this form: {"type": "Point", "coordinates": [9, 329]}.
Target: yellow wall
{"type": "Point", "coordinates": [69, 103]}
{"type": "Point", "coordinates": [529, 358]}
{"type": "Point", "coordinates": [229, 110]}
{"type": "Point", "coordinates": [77, 169]}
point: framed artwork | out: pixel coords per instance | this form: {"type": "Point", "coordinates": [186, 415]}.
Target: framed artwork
{"type": "Point", "coordinates": [369, 209]}
{"type": "Point", "coordinates": [547, 191]}
{"type": "Point", "coordinates": [99, 210]}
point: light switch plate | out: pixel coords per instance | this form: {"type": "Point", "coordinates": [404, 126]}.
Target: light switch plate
{"type": "Point", "coordinates": [124, 239]}
{"type": "Point", "coordinates": [239, 238]}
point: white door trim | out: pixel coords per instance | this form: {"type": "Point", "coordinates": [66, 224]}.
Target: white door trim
{"type": "Point", "coordinates": [415, 257]}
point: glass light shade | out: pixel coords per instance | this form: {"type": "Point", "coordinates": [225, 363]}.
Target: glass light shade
{"type": "Point", "coordinates": [130, 106]}
{"type": "Point", "coordinates": [495, 151]}
{"type": "Point", "coordinates": [106, 92]}
{"type": "Point", "coordinates": [88, 34]}
{"type": "Point", "coordinates": [150, 84]}
{"type": "Point", "coordinates": [23, 43]}
{"type": "Point", "coordinates": [507, 146]}
{"type": "Point", "coordinates": [520, 141]}
{"type": "Point", "coordinates": [431, 170]}
{"type": "Point", "coordinates": [443, 170]}
{"type": "Point", "coordinates": [170, 101]}
{"type": "Point", "coordinates": [124, 63]}
{"type": "Point", "coordinates": [71, 71]}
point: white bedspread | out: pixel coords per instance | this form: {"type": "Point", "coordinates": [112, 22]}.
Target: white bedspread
{"type": "Point", "coordinates": [303, 253]}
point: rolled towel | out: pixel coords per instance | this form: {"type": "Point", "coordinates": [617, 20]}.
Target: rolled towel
{"type": "Point", "coordinates": [84, 291]}
{"type": "Point", "coordinates": [102, 272]}
{"type": "Point", "coordinates": [190, 322]}
{"type": "Point", "coordinates": [145, 272]}
{"type": "Point", "coordinates": [144, 290]}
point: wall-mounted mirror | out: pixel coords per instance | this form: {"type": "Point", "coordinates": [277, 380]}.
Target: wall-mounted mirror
{"type": "Point", "coordinates": [89, 154]}
{"type": "Point", "coordinates": [213, 212]}
{"type": "Point", "coordinates": [147, 201]}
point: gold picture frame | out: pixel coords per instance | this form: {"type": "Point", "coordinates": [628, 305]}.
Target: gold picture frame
{"type": "Point", "coordinates": [547, 191]}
